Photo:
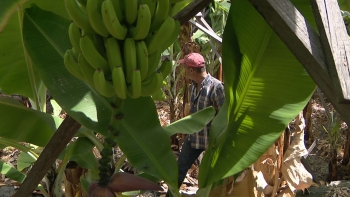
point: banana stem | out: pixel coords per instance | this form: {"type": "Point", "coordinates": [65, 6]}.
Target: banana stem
{"type": "Point", "coordinates": [110, 141]}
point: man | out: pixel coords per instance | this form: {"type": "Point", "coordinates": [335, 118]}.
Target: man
{"type": "Point", "coordinates": [204, 91]}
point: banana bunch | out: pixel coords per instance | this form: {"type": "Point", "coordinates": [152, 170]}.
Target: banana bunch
{"type": "Point", "coordinates": [117, 44]}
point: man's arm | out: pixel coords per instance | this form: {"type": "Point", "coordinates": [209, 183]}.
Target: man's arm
{"type": "Point", "coordinates": [218, 96]}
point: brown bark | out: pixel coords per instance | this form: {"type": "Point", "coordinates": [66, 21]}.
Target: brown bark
{"type": "Point", "coordinates": [346, 149]}
{"type": "Point", "coordinates": [333, 173]}
{"type": "Point", "coordinates": [57, 143]}
{"type": "Point", "coordinates": [286, 139]}
{"type": "Point", "coordinates": [307, 111]}
{"type": "Point", "coordinates": [280, 146]}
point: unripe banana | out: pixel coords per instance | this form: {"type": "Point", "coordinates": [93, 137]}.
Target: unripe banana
{"type": "Point", "coordinates": [155, 41]}
{"type": "Point", "coordinates": [134, 90]}
{"type": "Point", "coordinates": [71, 64]}
{"type": "Point", "coordinates": [140, 31]}
{"type": "Point", "coordinates": [119, 83]}
{"type": "Point", "coordinates": [101, 85]}
{"type": "Point", "coordinates": [131, 7]}
{"type": "Point", "coordinates": [114, 55]}
{"type": "Point", "coordinates": [153, 62]}
{"type": "Point", "coordinates": [152, 4]}
{"type": "Point", "coordinates": [165, 68]}
{"type": "Point", "coordinates": [93, 10]}
{"type": "Point", "coordinates": [74, 36]}
{"type": "Point", "coordinates": [177, 7]}
{"type": "Point", "coordinates": [161, 13]}
{"type": "Point", "coordinates": [91, 54]}
{"type": "Point", "coordinates": [172, 37]}
{"type": "Point", "coordinates": [78, 16]}
{"type": "Point", "coordinates": [142, 58]}
{"type": "Point", "coordinates": [118, 6]}
{"type": "Point", "coordinates": [130, 62]}
{"type": "Point", "coordinates": [87, 70]}
{"type": "Point", "coordinates": [152, 85]}
{"type": "Point", "coordinates": [111, 21]}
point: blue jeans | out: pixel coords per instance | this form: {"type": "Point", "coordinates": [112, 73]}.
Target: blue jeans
{"type": "Point", "coordinates": [188, 156]}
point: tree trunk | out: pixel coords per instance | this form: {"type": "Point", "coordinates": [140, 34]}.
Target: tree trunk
{"type": "Point", "coordinates": [333, 173]}
{"type": "Point", "coordinates": [307, 111]}
{"type": "Point", "coordinates": [346, 156]}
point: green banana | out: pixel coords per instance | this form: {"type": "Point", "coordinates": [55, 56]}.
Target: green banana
{"type": "Point", "coordinates": [152, 85]}
{"type": "Point", "coordinates": [95, 59]}
{"type": "Point", "coordinates": [78, 16]}
{"type": "Point", "coordinates": [118, 6]}
{"type": "Point", "coordinates": [131, 7]}
{"type": "Point", "coordinates": [119, 83]}
{"type": "Point", "coordinates": [112, 23]}
{"type": "Point", "coordinates": [142, 58]}
{"type": "Point", "coordinates": [152, 4]}
{"type": "Point", "coordinates": [130, 62]}
{"type": "Point", "coordinates": [87, 70]}
{"type": "Point", "coordinates": [74, 36]}
{"type": "Point", "coordinates": [101, 85]}
{"type": "Point", "coordinates": [114, 55]}
{"type": "Point", "coordinates": [161, 13]}
{"type": "Point", "coordinates": [134, 90]}
{"type": "Point", "coordinates": [172, 37]}
{"type": "Point", "coordinates": [165, 68]}
{"type": "Point", "coordinates": [93, 10]}
{"type": "Point", "coordinates": [153, 62]}
{"type": "Point", "coordinates": [72, 65]}
{"type": "Point", "coordinates": [140, 31]}
{"type": "Point", "coordinates": [160, 37]}
{"type": "Point", "coordinates": [178, 6]}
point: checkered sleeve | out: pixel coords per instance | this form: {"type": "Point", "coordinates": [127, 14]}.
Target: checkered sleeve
{"type": "Point", "coordinates": [218, 96]}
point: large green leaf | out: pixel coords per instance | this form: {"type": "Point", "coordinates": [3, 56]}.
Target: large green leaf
{"type": "Point", "coordinates": [80, 151]}
{"type": "Point", "coordinates": [11, 172]}
{"type": "Point", "coordinates": [191, 123]}
{"type": "Point", "coordinates": [26, 125]}
{"type": "Point", "coordinates": [265, 86]}
{"type": "Point", "coordinates": [46, 39]}
{"type": "Point", "coordinates": [7, 8]}
{"type": "Point", "coordinates": [17, 75]}
{"type": "Point", "coordinates": [144, 141]}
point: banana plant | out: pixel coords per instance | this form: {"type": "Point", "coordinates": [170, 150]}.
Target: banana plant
{"type": "Point", "coordinates": [265, 86]}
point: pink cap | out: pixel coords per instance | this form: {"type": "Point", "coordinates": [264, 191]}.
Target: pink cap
{"type": "Point", "coordinates": [195, 60]}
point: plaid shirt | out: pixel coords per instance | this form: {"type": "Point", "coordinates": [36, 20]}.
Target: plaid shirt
{"type": "Point", "coordinates": [211, 94]}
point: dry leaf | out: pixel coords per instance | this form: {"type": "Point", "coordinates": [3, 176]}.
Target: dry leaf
{"type": "Point", "coordinates": [293, 171]}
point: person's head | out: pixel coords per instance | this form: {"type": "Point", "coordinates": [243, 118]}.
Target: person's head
{"type": "Point", "coordinates": [194, 66]}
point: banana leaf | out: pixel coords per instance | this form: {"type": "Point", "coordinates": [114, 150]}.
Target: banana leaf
{"type": "Point", "coordinates": [7, 8]}
{"type": "Point", "coordinates": [46, 39]}
{"type": "Point", "coordinates": [11, 172]}
{"type": "Point", "coordinates": [17, 75]}
{"type": "Point", "coordinates": [22, 124]}
{"type": "Point", "coordinates": [265, 87]}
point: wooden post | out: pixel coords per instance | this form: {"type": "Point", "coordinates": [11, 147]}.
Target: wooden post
{"type": "Point", "coordinates": [304, 42]}
{"type": "Point", "coordinates": [336, 45]}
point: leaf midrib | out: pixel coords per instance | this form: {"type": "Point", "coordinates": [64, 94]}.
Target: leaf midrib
{"type": "Point", "coordinates": [255, 64]}
{"type": "Point", "coordinates": [59, 51]}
